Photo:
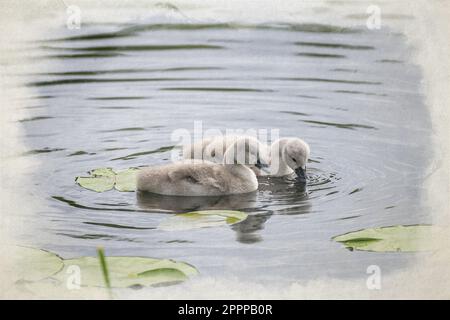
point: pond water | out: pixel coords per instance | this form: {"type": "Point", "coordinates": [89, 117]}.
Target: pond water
{"type": "Point", "coordinates": [110, 95]}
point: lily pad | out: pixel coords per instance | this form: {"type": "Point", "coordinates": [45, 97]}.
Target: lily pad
{"type": "Point", "coordinates": [202, 219]}
{"type": "Point", "coordinates": [102, 172]}
{"type": "Point", "coordinates": [129, 271]}
{"type": "Point", "coordinates": [34, 264]}
{"type": "Point", "coordinates": [389, 239]}
{"type": "Point", "coordinates": [100, 180]}
{"type": "Point", "coordinates": [105, 179]}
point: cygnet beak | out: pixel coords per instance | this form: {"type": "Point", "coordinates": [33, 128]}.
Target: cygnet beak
{"type": "Point", "coordinates": [301, 174]}
{"type": "Point", "coordinates": [262, 166]}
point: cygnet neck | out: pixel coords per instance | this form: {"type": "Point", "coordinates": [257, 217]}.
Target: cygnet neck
{"type": "Point", "coordinates": [278, 165]}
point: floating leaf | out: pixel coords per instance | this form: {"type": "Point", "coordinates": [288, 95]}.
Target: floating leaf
{"type": "Point", "coordinates": [128, 271]}
{"type": "Point", "coordinates": [389, 239]}
{"type": "Point", "coordinates": [100, 180]}
{"type": "Point", "coordinates": [202, 219]}
{"type": "Point", "coordinates": [105, 179]}
{"type": "Point", "coordinates": [126, 180]}
{"type": "Point", "coordinates": [97, 184]}
{"type": "Point", "coordinates": [34, 264]}
{"type": "Point", "coordinates": [102, 172]}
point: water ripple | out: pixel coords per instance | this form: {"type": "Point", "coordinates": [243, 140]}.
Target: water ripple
{"type": "Point", "coordinates": [320, 55]}
{"type": "Point", "coordinates": [333, 45]}
{"type": "Point", "coordinates": [350, 126]}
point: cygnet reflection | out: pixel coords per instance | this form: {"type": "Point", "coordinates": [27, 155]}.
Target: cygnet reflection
{"type": "Point", "coordinates": [247, 230]}
{"type": "Point", "coordinates": [179, 204]}
{"type": "Point", "coordinates": [285, 193]}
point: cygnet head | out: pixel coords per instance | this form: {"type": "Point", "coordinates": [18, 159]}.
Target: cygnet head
{"type": "Point", "coordinates": [215, 150]}
{"type": "Point", "coordinates": [296, 154]}
{"type": "Point", "coordinates": [248, 151]}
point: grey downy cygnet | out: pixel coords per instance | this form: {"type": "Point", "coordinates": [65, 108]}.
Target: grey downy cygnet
{"type": "Point", "coordinates": [204, 178]}
{"type": "Point", "coordinates": [287, 155]}
{"type": "Point", "coordinates": [213, 149]}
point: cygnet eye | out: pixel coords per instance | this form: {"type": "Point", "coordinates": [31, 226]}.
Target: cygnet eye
{"type": "Point", "coordinates": [294, 160]}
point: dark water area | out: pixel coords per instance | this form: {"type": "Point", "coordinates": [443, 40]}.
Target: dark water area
{"type": "Point", "coordinates": [111, 95]}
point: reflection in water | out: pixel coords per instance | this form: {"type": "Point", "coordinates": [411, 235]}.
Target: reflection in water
{"type": "Point", "coordinates": [247, 230]}
{"type": "Point", "coordinates": [284, 193]}
{"type": "Point", "coordinates": [179, 204]}
{"type": "Point", "coordinates": [287, 185]}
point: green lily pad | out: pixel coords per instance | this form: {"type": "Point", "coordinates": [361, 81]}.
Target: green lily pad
{"type": "Point", "coordinates": [389, 239]}
{"type": "Point", "coordinates": [105, 179]}
{"type": "Point", "coordinates": [202, 219]}
{"type": "Point", "coordinates": [129, 271]}
{"type": "Point", "coordinates": [34, 264]}
{"type": "Point", "coordinates": [97, 184]}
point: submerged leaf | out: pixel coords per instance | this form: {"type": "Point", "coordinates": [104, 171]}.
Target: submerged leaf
{"type": "Point", "coordinates": [128, 271]}
{"type": "Point", "coordinates": [202, 219]}
{"type": "Point", "coordinates": [389, 239]}
{"type": "Point", "coordinates": [164, 275]}
{"type": "Point", "coordinates": [126, 180]}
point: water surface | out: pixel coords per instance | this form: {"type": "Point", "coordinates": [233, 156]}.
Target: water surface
{"type": "Point", "coordinates": [111, 95]}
